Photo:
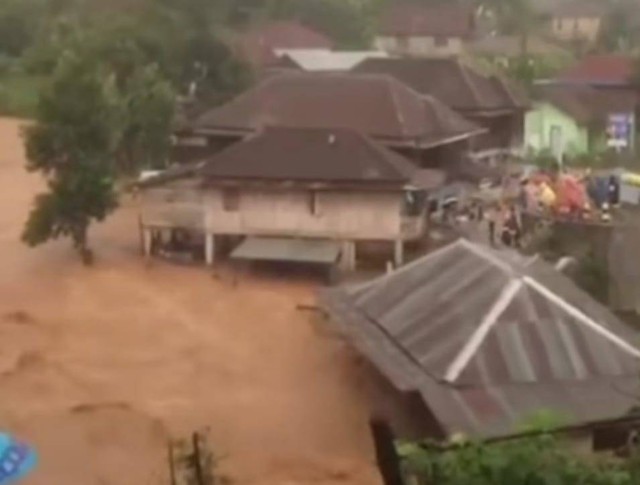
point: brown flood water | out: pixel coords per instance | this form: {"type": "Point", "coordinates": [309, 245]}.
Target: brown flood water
{"type": "Point", "coordinates": [99, 366]}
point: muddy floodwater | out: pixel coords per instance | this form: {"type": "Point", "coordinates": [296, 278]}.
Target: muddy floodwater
{"type": "Point", "coordinates": [99, 366]}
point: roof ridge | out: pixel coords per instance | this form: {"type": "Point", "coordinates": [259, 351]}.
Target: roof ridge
{"type": "Point", "coordinates": [383, 154]}
{"type": "Point", "coordinates": [428, 102]}
{"type": "Point", "coordinates": [503, 84]}
{"type": "Point", "coordinates": [489, 320]}
{"type": "Point", "coordinates": [507, 294]}
{"type": "Point", "coordinates": [580, 316]}
{"type": "Point", "coordinates": [465, 75]}
{"type": "Point", "coordinates": [389, 80]}
{"type": "Point", "coordinates": [403, 269]}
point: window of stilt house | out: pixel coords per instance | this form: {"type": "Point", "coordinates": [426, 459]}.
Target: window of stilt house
{"type": "Point", "coordinates": [230, 200]}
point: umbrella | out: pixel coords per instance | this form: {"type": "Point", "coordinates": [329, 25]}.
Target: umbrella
{"type": "Point", "coordinates": [17, 460]}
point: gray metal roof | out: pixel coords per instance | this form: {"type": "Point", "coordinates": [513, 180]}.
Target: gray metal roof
{"type": "Point", "coordinates": [287, 249]}
{"type": "Point", "coordinates": [475, 331]}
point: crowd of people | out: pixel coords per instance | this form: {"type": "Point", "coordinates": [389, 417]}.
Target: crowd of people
{"type": "Point", "coordinates": [579, 195]}
{"type": "Point", "coordinates": [575, 195]}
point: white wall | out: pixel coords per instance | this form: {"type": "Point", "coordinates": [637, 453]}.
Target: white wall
{"type": "Point", "coordinates": [419, 46]}
{"type": "Point", "coordinates": [373, 215]}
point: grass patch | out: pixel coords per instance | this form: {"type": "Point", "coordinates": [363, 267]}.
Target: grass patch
{"type": "Point", "coordinates": [19, 94]}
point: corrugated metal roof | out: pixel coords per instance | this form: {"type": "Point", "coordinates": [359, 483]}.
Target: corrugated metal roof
{"type": "Point", "coordinates": [285, 249]}
{"type": "Point", "coordinates": [474, 330]}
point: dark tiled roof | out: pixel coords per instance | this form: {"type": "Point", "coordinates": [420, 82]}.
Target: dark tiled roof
{"type": "Point", "coordinates": [412, 19]}
{"type": "Point", "coordinates": [583, 103]}
{"type": "Point", "coordinates": [489, 338]}
{"type": "Point", "coordinates": [607, 69]}
{"type": "Point", "coordinates": [454, 83]}
{"type": "Point", "coordinates": [377, 105]}
{"type": "Point", "coordinates": [258, 44]}
{"type": "Point", "coordinates": [309, 155]}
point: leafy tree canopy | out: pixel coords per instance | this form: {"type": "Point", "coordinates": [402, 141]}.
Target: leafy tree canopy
{"type": "Point", "coordinates": [541, 460]}
{"type": "Point", "coordinates": [105, 112]}
{"type": "Point", "coordinates": [72, 145]}
{"type": "Point", "coordinates": [349, 24]}
{"type": "Point", "coordinates": [184, 39]}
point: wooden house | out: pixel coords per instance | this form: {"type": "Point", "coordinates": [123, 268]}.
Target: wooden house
{"type": "Point", "coordinates": [570, 120]}
{"type": "Point", "coordinates": [422, 30]}
{"type": "Point", "coordinates": [293, 194]}
{"type": "Point", "coordinates": [419, 126]}
{"type": "Point", "coordinates": [490, 102]}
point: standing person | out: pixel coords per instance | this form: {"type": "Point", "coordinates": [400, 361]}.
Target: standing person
{"type": "Point", "coordinates": [505, 227]}
{"type": "Point", "coordinates": [614, 191]}
{"type": "Point", "coordinates": [515, 226]}
{"type": "Point", "coordinates": [492, 220]}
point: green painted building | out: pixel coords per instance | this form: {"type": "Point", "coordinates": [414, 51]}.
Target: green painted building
{"type": "Point", "coordinates": [547, 127]}
{"type": "Point", "coordinates": [571, 120]}
{"type": "Point", "coordinates": [566, 120]}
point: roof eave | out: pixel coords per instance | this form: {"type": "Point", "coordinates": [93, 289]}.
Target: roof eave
{"type": "Point", "coordinates": [452, 139]}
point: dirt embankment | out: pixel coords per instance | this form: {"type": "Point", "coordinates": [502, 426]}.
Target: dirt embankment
{"type": "Point", "coordinates": [99, 366]}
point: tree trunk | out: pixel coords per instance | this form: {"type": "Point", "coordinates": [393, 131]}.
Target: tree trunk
{"type": "Point", "coordinates": [80, 242]}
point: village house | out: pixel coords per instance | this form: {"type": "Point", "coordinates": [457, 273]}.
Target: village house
{"type": "Point", "coordinates": [612, 75]}
{"type": "Point", "coordinates": [503, 49]}
{"type": "Point", "coordinates": [258, 44]}
{"type": "Point", "coordinates": [478, 342]}
{"type": "Point", "coordinates": [571, 120]}
{"type": "Point", "coordinates": [488, 101]}
{"type": "Point", "coordinates": [418, 126]}
{"type": "Point", "coordinates": [292, 194]}
{"type": "Point", "coordinates": [576, 20]}
{"type": "Point", "coordinates": [420, 30]}
{"type": "Point", "coordinates": [601, 71]}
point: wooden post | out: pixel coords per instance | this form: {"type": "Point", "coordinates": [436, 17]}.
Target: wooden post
{"type": "Point", "coordinates": [147, 238]}
{"type": "Point", "coordinates": [398, 253]}
{"type": "Point", "coordinates": [141, 234]}
{"type": "Point", "coordinates": [386, 455]}
{"type": "Point", "coordinates": [354, 257]}
{"type": "Point", "coordinates": [210, 248]}
{"type": "Point", "coordinates": [348, 257]}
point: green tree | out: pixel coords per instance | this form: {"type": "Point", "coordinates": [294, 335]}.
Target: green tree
{"type": "Point", "coordinates": [515, 17]}
{"type": "Point", "coordinates": [183, 38]}
{"type": "Point", "coordinates": [149, 104]}
{"type": "Point", "coordinates": [72, 144]}
{"type": "Point", "coordinates": [106, 112]}
{"type": "Point", "coordinates": [620, 31]}
{"type": "Point", "coordinates": [19, 23]}
{"type": "Point", "coordinates": [348, 23]}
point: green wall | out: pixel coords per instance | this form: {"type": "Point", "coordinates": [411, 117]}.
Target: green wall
{"type": "Point", "coordinates": [538, 125]}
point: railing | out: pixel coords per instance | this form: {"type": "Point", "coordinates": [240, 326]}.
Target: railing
{"type": "Point", "coordinates": [412, 227]}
